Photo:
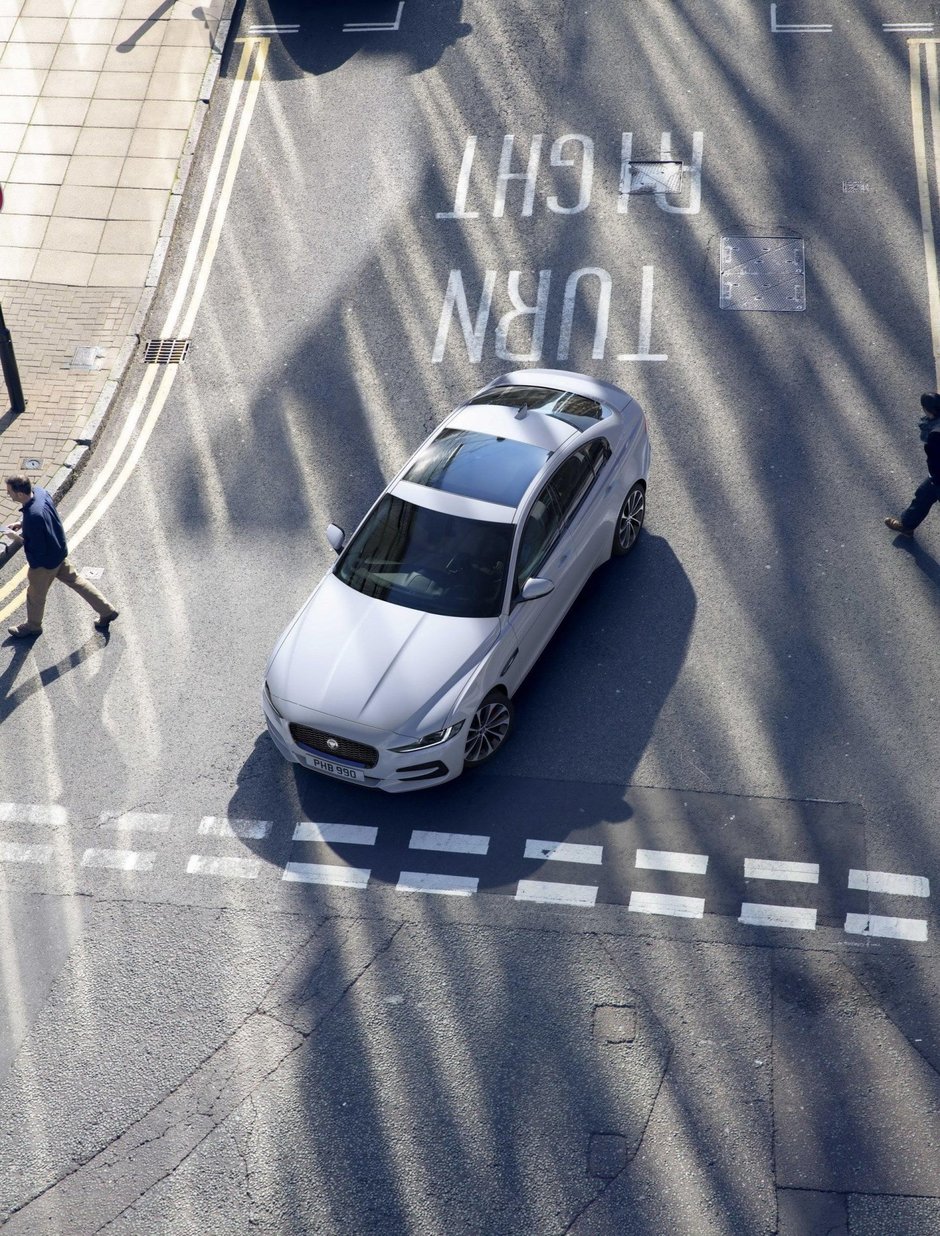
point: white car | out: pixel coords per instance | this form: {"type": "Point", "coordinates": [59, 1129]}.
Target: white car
{"type": "Point", "coordinates": [399, 671]}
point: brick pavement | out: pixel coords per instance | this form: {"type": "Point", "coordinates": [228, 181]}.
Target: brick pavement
{"type": "Point", "coordinates": [101, 104]}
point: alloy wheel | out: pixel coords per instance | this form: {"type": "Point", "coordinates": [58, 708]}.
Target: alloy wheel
{"type": "Point", "coordinates": [631, 518]}
{"type": "Point", "coordinates": [488, 730]}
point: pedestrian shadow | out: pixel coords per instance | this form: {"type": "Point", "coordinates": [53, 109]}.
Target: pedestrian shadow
{"type": "Point", "coordinates": [925, 562]}
{"type": "Point", "coordinates": [11, 697]}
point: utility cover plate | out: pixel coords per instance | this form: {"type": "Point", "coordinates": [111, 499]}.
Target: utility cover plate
{"type": "Point", "coordinates": [763, 272]}
{"type": "Point", "coordinates": [87, 359]}
{"type": "Point", "coordinates": [655, 176]}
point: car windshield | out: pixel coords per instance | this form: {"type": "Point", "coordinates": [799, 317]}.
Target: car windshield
{"type": "Point", "coordinates": [478, 465]}
{"type": "Point", "coordinates": [423, 559]}
{"type": "Point", "coordinates": [576, 410]}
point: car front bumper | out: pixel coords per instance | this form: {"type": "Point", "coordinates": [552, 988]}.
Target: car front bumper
{"type": "Point", "coordinates": [395, 772]}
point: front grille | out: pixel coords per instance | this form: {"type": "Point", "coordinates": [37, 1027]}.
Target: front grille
{"type": "Point", "coordinates": [317, 740]}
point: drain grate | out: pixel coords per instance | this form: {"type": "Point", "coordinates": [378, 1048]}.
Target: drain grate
{"type": "Point", "coordinates": [655, 176]}
{"type": "Point", "coordinates": [763, 272]}
{"type": "Point", "coordinates": [166, 351]}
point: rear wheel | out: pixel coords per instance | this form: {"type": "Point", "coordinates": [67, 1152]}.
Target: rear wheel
{"type": "Point", "coordinates": [489, 728]}
{"type": "Point", "coordinates": [630, 520]}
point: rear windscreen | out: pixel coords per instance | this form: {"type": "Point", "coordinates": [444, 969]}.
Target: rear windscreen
{"type": "Point", "coordinates": [576, 410]}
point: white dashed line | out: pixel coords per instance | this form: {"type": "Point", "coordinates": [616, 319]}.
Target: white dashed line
{"type": "Point", "coordinates": [120, 860]}
{"type": "Point", "coordinates": [888, 882]}
{"type": "Point", "coordinates": [220, 826]}
{"type": "Point", "coordinates": [136, 821]}
{"type": "Point", "coordinates": [326, 873]}
{"type": "Point", "coordinates": [237, 868]}
{"type": "Point", "coordinates": [374, 27]}
{"type": "Point", "coordinates": [564, 852]}
{"type": "Point", "coordinates": [429, 882]}
{"type": "Point", "coordinates": [454, 843]}
{"type": "Point", "coordinates": [907, 27]}
{"type": "Point", "coordinates": [798, 917]}
{"type": "Point", "coordinates": [13, 852]}
{"type": "Point", "coordinates": [769, 869]}
{"type": "Point", "coordinates": [346, 834]}
{"type": "Point", "coordinates": [672, 860]}
{"type": "Point", "coordinates": [799, 28]}
{"type": "Point", "coordinates": [51, 816]}
{"type": "Point", "coordinates": [665, 903]}
{"type": "Point", "coordinates": [556, 894]}
{"type": "Point", "coordinates": [891, 928]}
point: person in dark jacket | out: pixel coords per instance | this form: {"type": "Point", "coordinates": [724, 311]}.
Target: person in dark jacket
{"type": "Point", "coordinates": [928, 491]}
{"type": "Point", "coordinates": [40, 532]}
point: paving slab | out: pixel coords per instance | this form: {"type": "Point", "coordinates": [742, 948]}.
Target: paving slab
{"type": "Point", "coordinates": [100, 116]}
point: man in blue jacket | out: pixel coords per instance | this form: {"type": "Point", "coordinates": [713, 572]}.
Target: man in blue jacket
{"type": "Point", "coordinates": [42, 536]}
{"type": "Point", "coordinates": [928, 491]}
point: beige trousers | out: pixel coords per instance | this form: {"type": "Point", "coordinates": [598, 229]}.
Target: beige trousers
{"type": "Point", "coordinates": [40, 580]}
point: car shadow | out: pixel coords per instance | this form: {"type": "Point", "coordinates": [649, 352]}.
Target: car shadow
{"type": "Point", "coordinates": [583, 701]}
{"type": "Point", "coordinates": [318, 39]}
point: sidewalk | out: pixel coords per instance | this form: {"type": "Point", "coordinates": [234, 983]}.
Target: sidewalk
{"type": "Point", "coordinates": [101, 104]}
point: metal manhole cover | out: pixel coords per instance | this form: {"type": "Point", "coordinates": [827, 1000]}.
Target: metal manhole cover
{"type": "Point", "coordinates": [763, 272]}
{"type": "Point", "coordinates": [655, 176]}
{"type": "Point", "coordinates": [166, 351]}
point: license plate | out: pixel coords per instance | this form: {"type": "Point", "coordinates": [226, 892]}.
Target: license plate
{"type": "Point", "coordinates": [335, 770]}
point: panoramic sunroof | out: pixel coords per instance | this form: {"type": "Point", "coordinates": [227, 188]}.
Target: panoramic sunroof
{"type": "Point", "coordinates": [478, 465]}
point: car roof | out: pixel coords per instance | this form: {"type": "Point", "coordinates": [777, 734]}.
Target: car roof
{"type": "Point", "coordinates": [549, 433]}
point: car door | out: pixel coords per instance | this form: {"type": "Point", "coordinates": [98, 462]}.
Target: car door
{"type": "Point", "coordinates": [547, 549]}
{"type": "Point", "coordinates": [581, 492]}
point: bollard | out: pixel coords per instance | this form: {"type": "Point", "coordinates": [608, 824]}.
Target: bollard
{"type": "Point", "coordinates": [11, 375]}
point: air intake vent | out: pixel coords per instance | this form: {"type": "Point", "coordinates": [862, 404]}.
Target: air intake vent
{"type": "Point", "coordinates": [166, 351]}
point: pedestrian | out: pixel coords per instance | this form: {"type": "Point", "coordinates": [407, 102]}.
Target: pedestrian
{"type": "Point", "coordinates": [40, 532]}
{"type": "Point", "coordinates": [928, 491]}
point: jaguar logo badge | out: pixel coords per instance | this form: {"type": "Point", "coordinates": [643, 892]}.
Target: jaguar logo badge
{"type": "Point", "coordinates": [332, 744]}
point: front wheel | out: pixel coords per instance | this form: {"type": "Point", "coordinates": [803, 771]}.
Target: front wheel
{"type": "Point", "coordinates": [489, 728]}
{"type": "Point", "coordinates": [630, 520]}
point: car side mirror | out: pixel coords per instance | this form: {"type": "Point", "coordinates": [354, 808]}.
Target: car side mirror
{"type": "Point", "coordinates": [336, 536]}
{"type": "Point", "coordinates": [534, 588]}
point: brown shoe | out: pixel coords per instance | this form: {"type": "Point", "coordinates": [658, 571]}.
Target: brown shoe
{"type": "Point", "coordinates": [895, 525]}
{"type": "Point", "coordinates": [105, 621]}
{"type": "Point", "coordinates": [25, 632]}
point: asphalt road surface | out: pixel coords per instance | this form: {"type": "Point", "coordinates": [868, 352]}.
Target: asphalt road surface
{"type": "Point", "coordinates": [668, 964]}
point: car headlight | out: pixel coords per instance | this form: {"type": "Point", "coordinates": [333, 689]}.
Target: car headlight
{"type": "Point", "coordinates": [432, 740]}
{"type": "Point", "coordinates": [270, 698]}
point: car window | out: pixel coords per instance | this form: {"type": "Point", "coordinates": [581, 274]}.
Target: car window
{"type": "Point", "coordinates": [538, 536]}
{"type": "Point", "coordinates": [422, 559]}
{"type": "Point", "coordinates": [571, 482]}
{"type": "Point", "coordinates": [579, 411]}
{"type": "Point", "coordinates": [598, 452]}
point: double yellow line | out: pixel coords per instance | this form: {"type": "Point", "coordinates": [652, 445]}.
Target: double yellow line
{"type": "Point", "coordinates": [925, 50]}
{"type": "Point", "coordinates": [145, 410]}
